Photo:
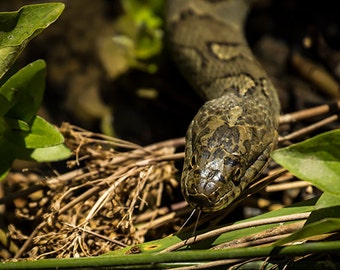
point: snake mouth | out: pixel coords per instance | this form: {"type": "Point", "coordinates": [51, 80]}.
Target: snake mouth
{"type": "Point", "coordinates": [205, 197]}
{"type": "Point", "coordinates": [201, 201]}
{"type": "Point", "coordinates": [209, 197]}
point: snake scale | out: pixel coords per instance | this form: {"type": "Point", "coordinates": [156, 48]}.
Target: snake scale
{"type": "Point", "coordinates": [229, 141]}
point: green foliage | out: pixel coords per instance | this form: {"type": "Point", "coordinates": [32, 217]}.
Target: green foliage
{"type": "Point", "coordinates": [316, 160]}
{"type": "Point", "coordinates": [147, 25]}
{"type": "Point", "coordinates": [325, 218]}
{"type": "Point", "coordinates": [140, 38]}
{"type": "Point", "coordinates": [19, 27]}
{"type": "Point", "coordinates": [23, 134]}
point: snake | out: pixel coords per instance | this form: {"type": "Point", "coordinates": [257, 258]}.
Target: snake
{"type": "Point", "coordinates": [230, 139]}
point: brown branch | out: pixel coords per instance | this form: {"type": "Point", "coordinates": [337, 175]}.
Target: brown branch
{"type": "Point", "coordinates": [309, 113]}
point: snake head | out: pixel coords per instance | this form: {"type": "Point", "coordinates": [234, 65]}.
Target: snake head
{"type": "Point", "coordinates": [216, 183]}
{"type": "Point", "coordinates": [212, 178]}
{"type": "Point", "coordinates": [222, 158]}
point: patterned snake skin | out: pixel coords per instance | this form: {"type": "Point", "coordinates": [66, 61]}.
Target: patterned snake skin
{"type": "Point", "coordinates": [229, 141]}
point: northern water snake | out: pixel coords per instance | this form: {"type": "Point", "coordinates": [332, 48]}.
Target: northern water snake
{"type": "Point", "coordinates": [229, 141]}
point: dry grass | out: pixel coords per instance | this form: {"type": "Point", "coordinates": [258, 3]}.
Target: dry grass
{"type": "Point", "coordinates": [112, 197]}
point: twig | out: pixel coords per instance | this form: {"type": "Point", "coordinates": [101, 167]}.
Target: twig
{"type": "Point", "coordinates": [264, 237]}
{"type": "Point", "coordinates": [119, 243]}
{"type": "Point", "coordinates": [29, 240]}
{"type": "Point", "coordinates": [79, 199]}
{"type": "Point", "coordinates": [180, 209]}
{"type": "Point", "coordinates": [309, 128]}
{"type": "Point", "coordinates": [214, 233]}
{"type": "Point", "coordinates": [309, 113]}
{"type": "Point", "coordinates": [286, 186]}
{"type": "Point", "coordinates": [20, 194]}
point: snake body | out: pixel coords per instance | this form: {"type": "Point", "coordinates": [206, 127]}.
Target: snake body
{"type": "Point", "coordinates": [229, 141]}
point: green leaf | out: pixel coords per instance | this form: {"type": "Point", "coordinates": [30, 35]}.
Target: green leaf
{"type": "Point", "coordinates": [7, 97]}
{"type": "Point", "coordinates": [140, 39]}
{"type": "Point", "coordinates": [22, 133]}
{"type": "Point", "coordinates": [46, 154]}
{"type": "Point", "coordinates": [171, 260]}
{"type": "Point", "coordinates": [316, 160]}
{"type": "Point", "coordinates": [328, 200]}
{"type": "Point", "coordinates": [42, 134]}
{"type": "Point", "coordinates": [324, 218]}
{"type": "Point", "coordinates": [19, 27]}
{"type": "Point", "coordinates": [327, 206]}
{"type": "Point", "coordinates": [17, 124]}
{"type": "Point", "coordinates": [24, 92]}
{"type": "Point", "coordinates": [316, 228]}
